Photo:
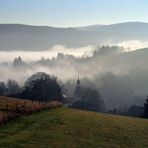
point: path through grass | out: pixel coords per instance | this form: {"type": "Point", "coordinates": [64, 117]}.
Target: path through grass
{"type": "Point", "coordinates": [69, 128]}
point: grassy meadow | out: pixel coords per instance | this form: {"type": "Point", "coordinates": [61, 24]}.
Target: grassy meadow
{"type": "Point", "coordinates": [69, 128]}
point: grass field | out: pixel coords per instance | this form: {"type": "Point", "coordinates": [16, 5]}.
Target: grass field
{"type": "Point", "coordinates": [69, 128]}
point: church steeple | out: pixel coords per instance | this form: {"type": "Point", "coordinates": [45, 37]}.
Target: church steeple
{"type": "Point", "coordinates": [78, 81]}
{"type": "Point", "coordinates": [77, 92]}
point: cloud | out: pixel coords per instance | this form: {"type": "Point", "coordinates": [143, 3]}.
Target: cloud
{"type": "Point", "coordinates": [133, 45]}
{"type": "Point", "coordinates": [52, 52]}
{"type": "Point", "coordinates": [77, 52]}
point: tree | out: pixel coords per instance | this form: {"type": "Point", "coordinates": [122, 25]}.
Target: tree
{"type": "Point", "coordinates": [43, 87]}
{"type": "Point", "coordinates": [17, 62]}
{"type": "Point", "coordinates": [12, 87]}
{"type": "Point", "coordinates": [146, 108]}
{"type": "Point", "coordinates": [3, 89]}
{"type": "Point", "coordinates": [91, 100]}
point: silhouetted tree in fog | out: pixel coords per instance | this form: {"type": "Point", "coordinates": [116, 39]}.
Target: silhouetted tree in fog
{"type": "Point", "coordinates": [3, 89]}
{"type": "Point", "coordinates": [146, 108]}
{"type": "Point", "coordinates": [12, 87]}
{"type": "Point", "coordinates": [43, 87]}
{"type": "Point", "coordinates": [90, 100]}
{"type": "Point", "coordinates": [17, 62]}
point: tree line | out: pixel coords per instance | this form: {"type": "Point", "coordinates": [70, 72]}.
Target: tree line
{"type": "Point", "coordinates": [39, 87]}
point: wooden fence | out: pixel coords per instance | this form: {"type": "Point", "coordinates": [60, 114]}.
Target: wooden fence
{"type": "Point", "coordinates": [22, 108]}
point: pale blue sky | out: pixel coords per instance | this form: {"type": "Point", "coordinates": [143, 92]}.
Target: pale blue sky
{"type": "Point", "coordinates": [72, 12]}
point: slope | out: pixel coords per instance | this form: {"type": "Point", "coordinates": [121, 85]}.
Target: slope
{"type": "Point", "coordinates": [38, 38]}
{"type": "Point", "coordinates": [74, 128]}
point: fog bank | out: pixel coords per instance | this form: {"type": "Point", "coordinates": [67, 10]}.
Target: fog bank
{"type": "Point", "coordinates": [121, 77]}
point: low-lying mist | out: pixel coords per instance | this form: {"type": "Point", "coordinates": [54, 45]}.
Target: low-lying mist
{"type": "Point", "coordinates": [133, 45]}
{"type": "Point", "coordinates": [50, 53]}
{"type": "Point", "coordinates": [77, 52]}
{"type": "Point", "coordinates": [121, 77]}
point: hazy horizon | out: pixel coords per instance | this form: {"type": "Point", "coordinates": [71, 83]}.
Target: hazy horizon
{"type": "Point", "coordinates": [79, 26]}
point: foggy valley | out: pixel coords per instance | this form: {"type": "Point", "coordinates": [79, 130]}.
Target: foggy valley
{"type": "Point", "coordinates": [119, 74]}
{"type": "Point", "coordinates": [73, 74]}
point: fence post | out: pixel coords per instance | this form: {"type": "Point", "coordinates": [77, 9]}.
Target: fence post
{"type": "Point", "coordinates": [6, 107]}
{"type": "Point", "coordinates": [16, 107]}
{"type": "Point", "coordinates": [24, 105]}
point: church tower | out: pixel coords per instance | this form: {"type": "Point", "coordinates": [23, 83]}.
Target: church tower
{"type": "Point", "coordinates": [78, 83]}
{"type": "Point", "coordinates": [77, 92]}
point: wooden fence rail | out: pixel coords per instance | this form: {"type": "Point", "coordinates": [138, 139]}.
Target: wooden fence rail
{"type": "Point", "coordinates": [20, 107]}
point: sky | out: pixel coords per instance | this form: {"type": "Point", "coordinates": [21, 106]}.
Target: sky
{"type": "Point", "coordinates": [70, 13]}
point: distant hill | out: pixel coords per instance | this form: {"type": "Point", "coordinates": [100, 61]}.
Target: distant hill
{"type": "Point", "coordinates": [64, 128]}
{"type": "Point", "coordinates": [25, 37]}
{"type": "Point", "coordinates": [125, 27]}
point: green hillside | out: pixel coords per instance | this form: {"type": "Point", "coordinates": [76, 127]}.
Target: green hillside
{"type": "Point", "coordinates": [69, 128]}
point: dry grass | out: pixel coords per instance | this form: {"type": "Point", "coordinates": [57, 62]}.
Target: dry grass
{"type": "Point", "coordinates": [14, 107]}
